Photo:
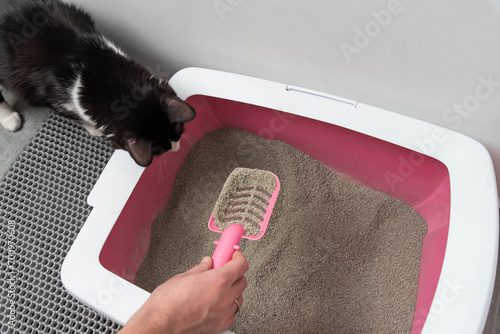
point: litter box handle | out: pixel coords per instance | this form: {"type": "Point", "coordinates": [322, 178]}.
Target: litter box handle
{"type": "Point", "coordinates": [227, 244]}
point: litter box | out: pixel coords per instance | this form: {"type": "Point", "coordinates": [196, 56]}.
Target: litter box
{"type": "Point", "coordinates": [447, 177]}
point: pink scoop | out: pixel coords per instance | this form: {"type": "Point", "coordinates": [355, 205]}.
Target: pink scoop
{"type": "Point", "coordinates": [231, 236]}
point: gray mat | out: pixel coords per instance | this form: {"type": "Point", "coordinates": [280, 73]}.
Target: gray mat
{"type": "Point", "coordinates": [42, 208]}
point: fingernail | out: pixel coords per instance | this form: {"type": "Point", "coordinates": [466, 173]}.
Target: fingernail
{"type": "Point", "coordinates": [205, 259]}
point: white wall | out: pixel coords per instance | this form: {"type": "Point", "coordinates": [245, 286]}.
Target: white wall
{"type": "Point", "coordinates": [438, 61]}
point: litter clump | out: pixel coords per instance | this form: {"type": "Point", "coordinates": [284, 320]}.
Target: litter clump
{"type": "Point", "coordinates": [244, 199]}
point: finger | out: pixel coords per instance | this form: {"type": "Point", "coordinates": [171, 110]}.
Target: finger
{"type": "Point", "coordinates": [205, 264]}
{"type": "Point", "coordinates": [234, 309]}
{"type": "Point", "coordinates": [238, 254]}
{"type": "Point", "coordinates": [235, 268]}
{"type": "Point", "coordinates": [229, 322]}
{"type": "Point", "coordinates": [237, 307]}
{"type": "Point", "coordinates": [239, 286]}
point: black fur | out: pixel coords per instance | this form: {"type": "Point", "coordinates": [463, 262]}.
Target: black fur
{"type": "Point", "coordinates": [46, 45]}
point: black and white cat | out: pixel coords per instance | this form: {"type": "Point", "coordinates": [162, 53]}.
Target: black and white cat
{"type": "Point", "coordinates": [51, 55]}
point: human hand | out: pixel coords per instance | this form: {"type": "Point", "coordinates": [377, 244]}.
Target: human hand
{"type": "Point", "coordinates": [201, 300]}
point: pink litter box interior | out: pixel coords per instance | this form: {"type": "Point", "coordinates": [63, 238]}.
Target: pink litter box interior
{"type": "Point", "coordinates": [420, 181]}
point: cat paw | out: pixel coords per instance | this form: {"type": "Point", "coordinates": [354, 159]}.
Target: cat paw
{"type": "Point", "coordinates": [12, 122]}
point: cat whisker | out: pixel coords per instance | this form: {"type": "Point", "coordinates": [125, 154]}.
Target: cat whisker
{"type": "Point", "coordinates": [160, 174]}
{"type": "Point", "coordinates": [164, 161]}
{"type": "Point", "coordinates": [189, 138]}
{"type": "Point", "coordinates": [165, 165]}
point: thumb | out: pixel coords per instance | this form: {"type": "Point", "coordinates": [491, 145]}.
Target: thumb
{"type": "Point", "coordinates": [205, 264]}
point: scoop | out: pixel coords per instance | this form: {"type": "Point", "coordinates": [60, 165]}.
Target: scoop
{"type": "Point", "coordinates": [242, 210]}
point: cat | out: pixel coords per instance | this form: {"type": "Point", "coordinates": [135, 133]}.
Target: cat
{"type": "Point", "coordinates": [51, 55]}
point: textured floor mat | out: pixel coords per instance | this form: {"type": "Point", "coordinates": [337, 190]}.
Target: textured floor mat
{"type": "Point", "coordinates": [42, 208]}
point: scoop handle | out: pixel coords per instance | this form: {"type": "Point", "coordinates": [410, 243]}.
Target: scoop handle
{"type": "Point", "coordinates": [227, 244]}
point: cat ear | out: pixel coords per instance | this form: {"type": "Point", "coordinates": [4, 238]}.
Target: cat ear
{"type": "Point", "coordinates": [141, 150]}
{"type": "Point", "coordinates": [179, 111]}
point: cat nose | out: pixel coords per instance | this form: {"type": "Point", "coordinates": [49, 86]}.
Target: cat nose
{"type": "Point", "coordinates": [176, 145]}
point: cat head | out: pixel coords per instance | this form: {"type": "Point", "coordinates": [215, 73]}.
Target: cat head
{"type": "Point", "coordinates": [134, 110]}
{"type": "Point", "coordinates": [153, 127]}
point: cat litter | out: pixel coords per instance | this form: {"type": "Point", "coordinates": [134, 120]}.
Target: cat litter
{"type": "Point", "coordinates": [337, 257]}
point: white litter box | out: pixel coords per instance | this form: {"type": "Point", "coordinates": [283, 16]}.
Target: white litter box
{"type": "Point", "coordinates": [447, 177]}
